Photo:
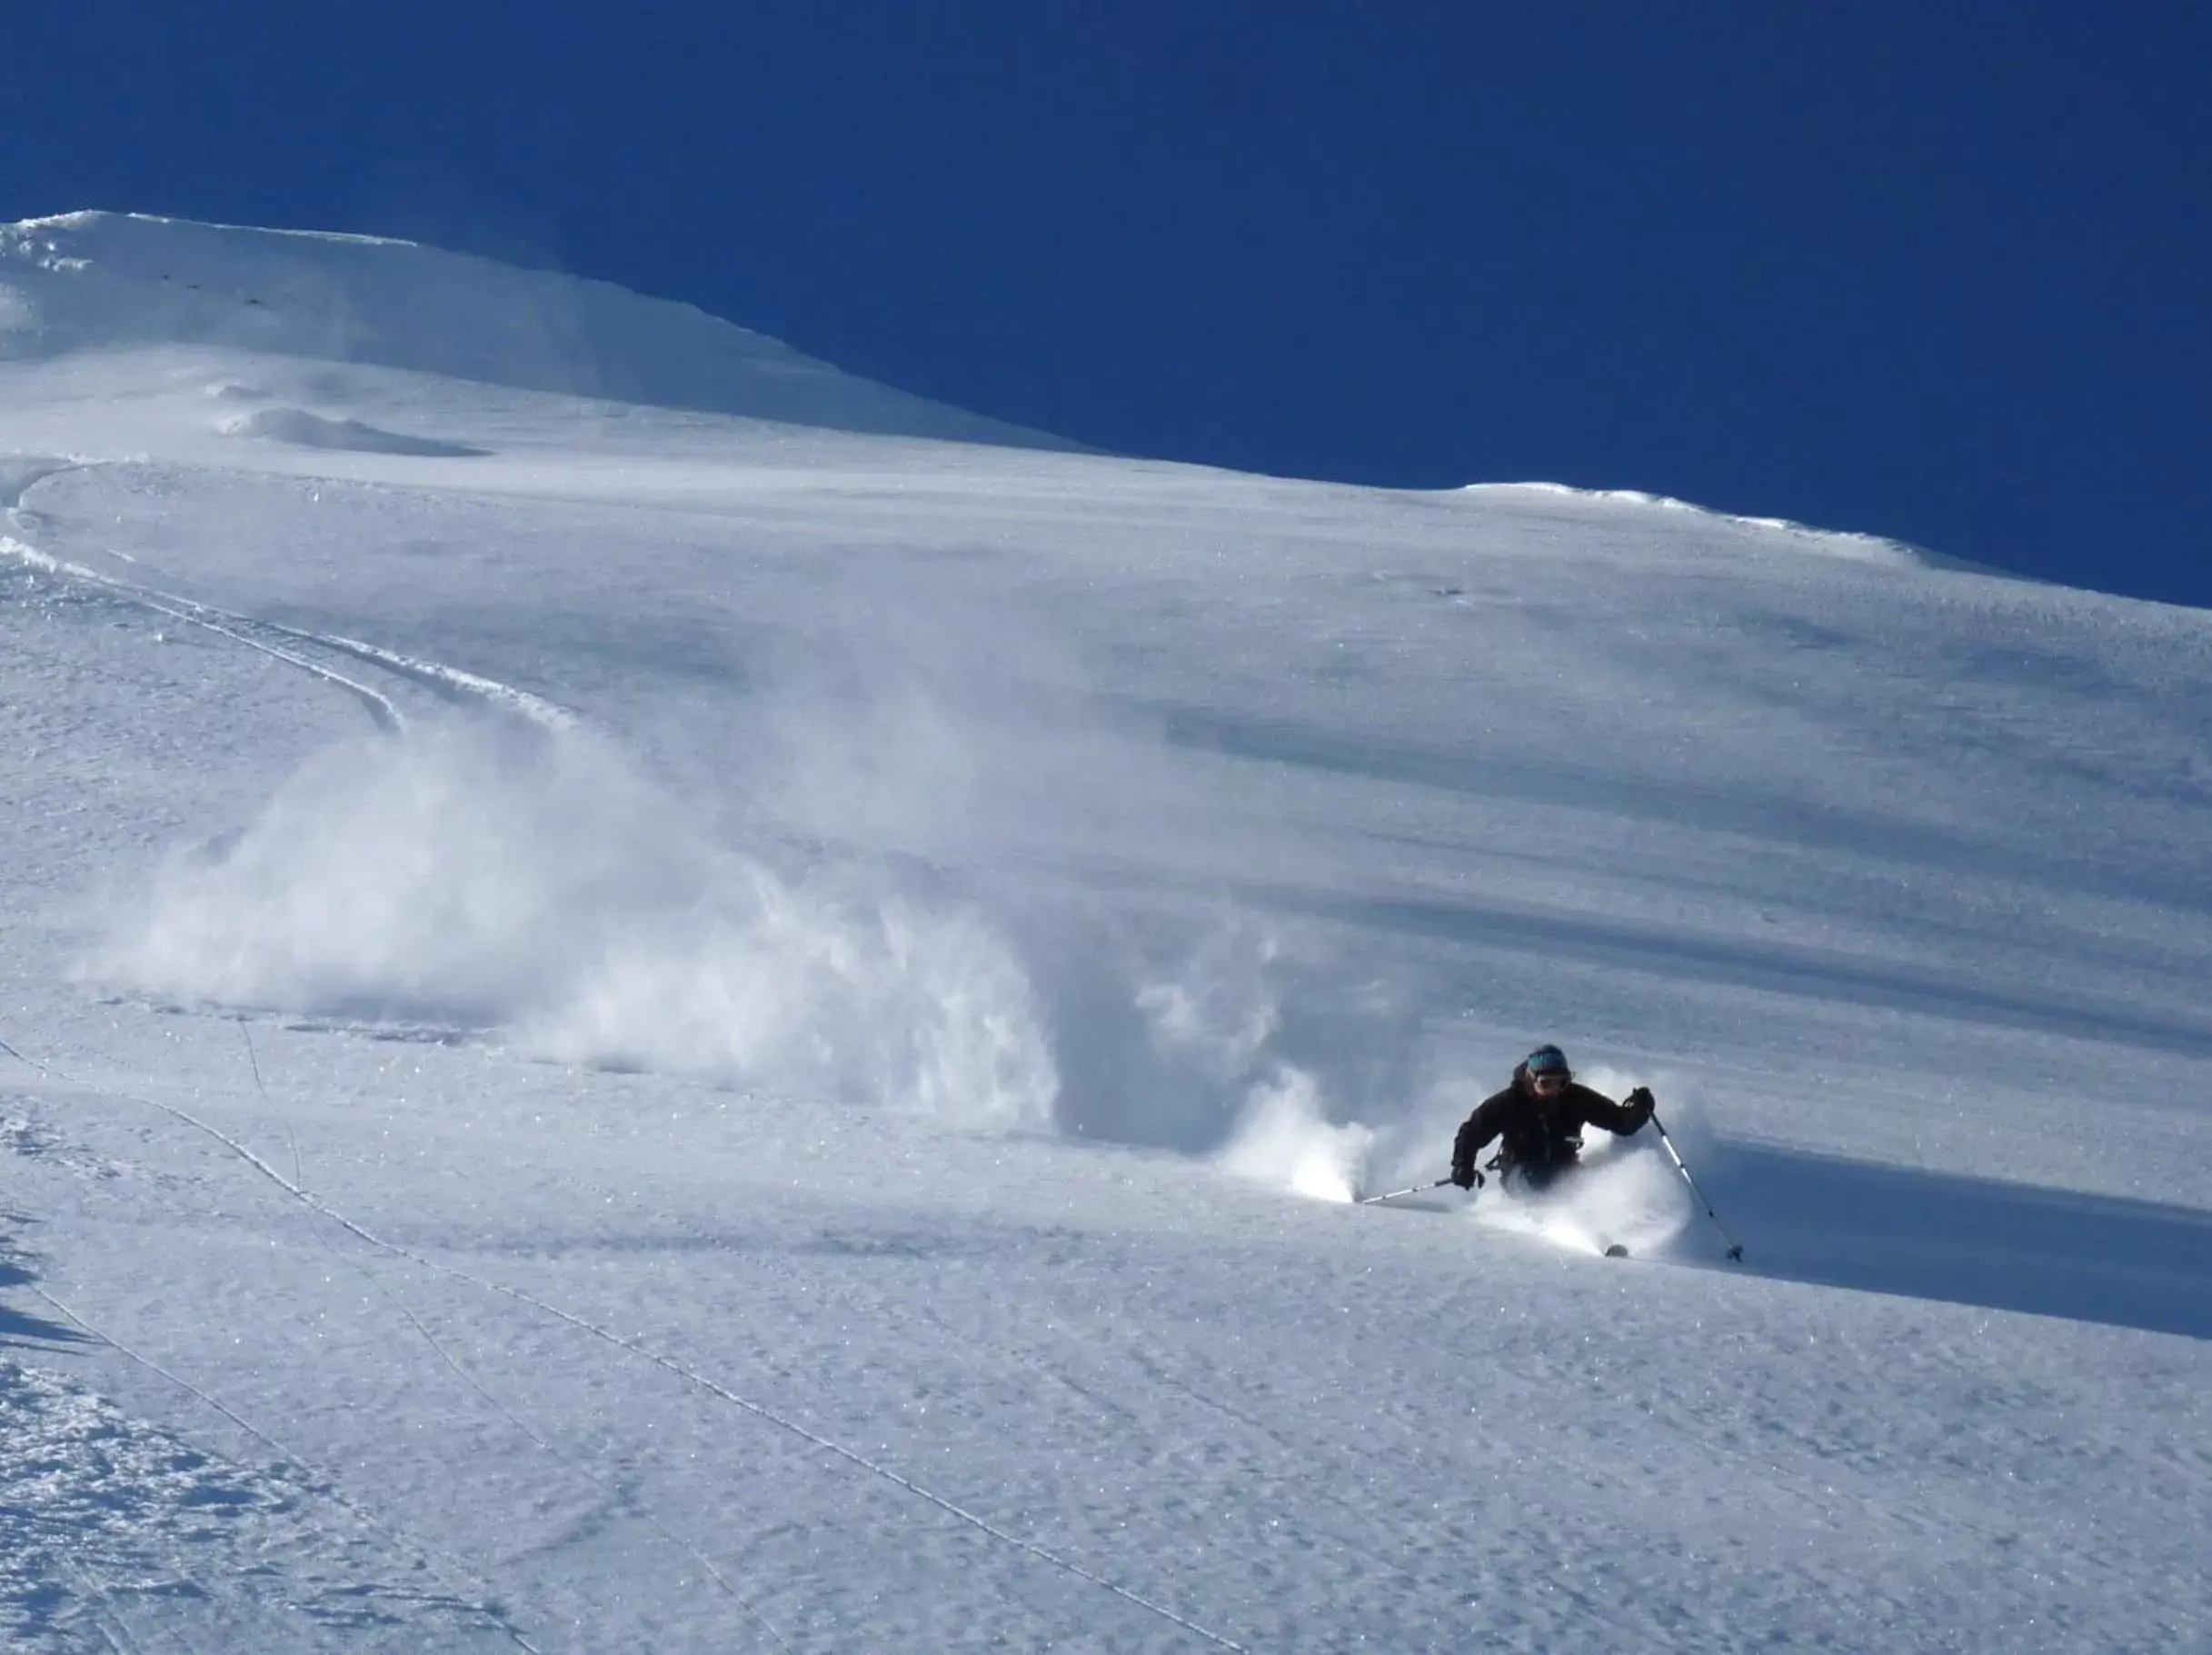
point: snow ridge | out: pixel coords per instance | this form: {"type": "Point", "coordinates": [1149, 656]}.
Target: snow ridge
{"type": "Point", "coordinates": [1836, 543]}
{"type": "Point", "coordinates": [102, 281]}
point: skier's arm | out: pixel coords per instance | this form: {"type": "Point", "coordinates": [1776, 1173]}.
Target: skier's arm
{"type": "Point", "coordinates": [1622, 1118]}
{"type": "Point", "coordinates": [1475, 1134]}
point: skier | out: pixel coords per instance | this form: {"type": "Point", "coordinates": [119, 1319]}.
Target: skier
{"type": "Point", "coordinates": [1540, 1117]}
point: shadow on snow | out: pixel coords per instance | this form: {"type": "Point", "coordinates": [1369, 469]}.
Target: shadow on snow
{"type": "Point", "coordinates": [1968, 1240]}
{"type": "Point", "coordinates": [1767, 967]}
{"type": "Point", "coordinates": [20, 1328]}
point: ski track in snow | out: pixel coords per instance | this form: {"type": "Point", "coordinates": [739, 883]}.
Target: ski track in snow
{"type": "Point", "coordinates": [451, 684]}
{"type": "Point", "coordinates": [450, 681]}
{"type": "Point", "coordinates": [102, 1500]}
{"type": "Point", "coordinates": [567, 1462]}
{"type": "Point", "coordinates": [279, 1486]}
{"type": "Point", "coordinates": [286, 1487]}
{"type": "Point", "coordinates": [682, 1370]}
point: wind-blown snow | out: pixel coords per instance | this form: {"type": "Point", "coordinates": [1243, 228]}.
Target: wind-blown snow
{"type": "Point", "coordinates": [748, 1017]}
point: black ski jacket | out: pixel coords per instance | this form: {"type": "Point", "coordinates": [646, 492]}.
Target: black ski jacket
{"type": "Point", "coordinates": [1542, 1136]}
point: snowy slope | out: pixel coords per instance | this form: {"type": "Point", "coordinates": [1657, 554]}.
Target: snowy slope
{"type": "Point", "coordinates": [659, 1000]}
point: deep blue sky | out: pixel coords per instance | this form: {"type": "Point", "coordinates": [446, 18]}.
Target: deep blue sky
{"type": "Point", "coordinates": [1935, 271]}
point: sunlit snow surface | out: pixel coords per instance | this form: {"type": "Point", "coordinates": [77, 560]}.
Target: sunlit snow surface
{"type": "Point", "coordinates": [754, 1023]}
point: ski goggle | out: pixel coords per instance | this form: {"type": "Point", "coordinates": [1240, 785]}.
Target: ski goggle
{"type": "Point", "coordinates": [1549, 1079]}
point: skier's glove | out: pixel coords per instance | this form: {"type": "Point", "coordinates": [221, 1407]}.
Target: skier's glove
{"type": "Point", "coordinates": [1643, 1104]}
{"type": "Point", "coordinates": [1466, 1177]}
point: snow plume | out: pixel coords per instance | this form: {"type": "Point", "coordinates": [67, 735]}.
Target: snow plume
{"type": "Point", "coordinates": [1218, 1021]}
{"type": "Point", "coordinates": [1194, 1043]}
{"type": "Point", "coordinates": [459, 874]}
{"type": "Point", "coordinates": [1284, 1138]}
{"type": "Point", "coordinates": [807, 991]}
{"type": "Point", "coordinates": [1170, 1036]}
{"type": "Point", "coordinates": [975, 745]}
{"type": "Point", "coordinates": [478, 877]}
{"type": "Point", "coordinates": [1219, 1012]}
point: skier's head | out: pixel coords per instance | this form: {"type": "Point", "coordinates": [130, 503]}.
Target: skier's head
{"type": "Point", "coordinates": [1547, 1070]}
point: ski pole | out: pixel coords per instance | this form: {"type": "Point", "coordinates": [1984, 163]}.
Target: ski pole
{"type": "Point", "coordinates": [1368, 1201]}
{"type": "Point", "coordinates": [1735, 1251]}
